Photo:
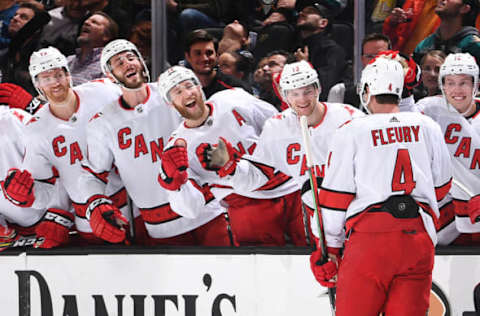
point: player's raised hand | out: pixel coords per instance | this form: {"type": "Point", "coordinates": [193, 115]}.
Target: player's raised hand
{"type": "Point", "coordinates": [14, 95]}
{"type": "Point", "coordinates": [173, 171]}
{"type": "Point", "coordinates": [106, 220]}
{"type": "Point", "coordinates": [18, 187]}
{"type": "Point", "coordinates": [325, 272]}
{"type": "Point", "coordinates": [225, 157]}
{"type": "Point", "coordinates": [54, 228]}
{"type": "Point", "coordinates": [221, 157]}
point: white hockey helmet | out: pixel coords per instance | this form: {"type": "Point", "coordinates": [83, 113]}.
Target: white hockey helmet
{"type": "Point", "coordinates": [459, 64]}
{"type": "Point", "coordinates": [382, 76]}
{"type": "Point", "coordinates": [173, 76]}
{"type": "Point", "coordinates": [46, 59]}
{"type": "Point", "coordinates": [115, 47]}
{"type": "Point", "coordinates": [297, 75]}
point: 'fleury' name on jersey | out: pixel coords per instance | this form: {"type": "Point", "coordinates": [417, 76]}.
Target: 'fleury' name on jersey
{"type": "Point", "coordinates": [397, 134]}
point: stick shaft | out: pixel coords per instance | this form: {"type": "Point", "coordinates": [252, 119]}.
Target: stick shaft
{"type": "Point", "coordinates": [314, 188]}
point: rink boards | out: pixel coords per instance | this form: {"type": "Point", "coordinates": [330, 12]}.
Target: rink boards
{"type": "Point", "coordinates": [193, 282]}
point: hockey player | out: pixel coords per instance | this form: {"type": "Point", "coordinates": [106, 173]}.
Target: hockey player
{"type": "Point", "coordinates": [279, 147]}
{"type": "Point", "coordinates": [131, 132]}
{"type": "Point", "coordinates": [56, 145]}
{"type": "Point", "coordinates": [384, 175]}
{"type": "Point", "coordinates": [259, 217]}
{"type": "Point", "coordinates": [457, 114]}
{"type": "Point", "coordinates": [16, 221]}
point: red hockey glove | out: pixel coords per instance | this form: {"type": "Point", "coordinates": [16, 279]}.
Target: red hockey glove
{"type": "Point", "coordinates": [54, 228]}
{"type": "Point", "coordinates": [7, 237]}
{"type": "Point", "coordinates": [325, 272]}
{"type": "Point", "coordinates": [204, 155]}
{"type": "Point", "coordinates": [18, 187]}
{"type": "Point", "coordinates": [222, 158]}
{"type": "Point", "coordinates": [17, 97]}
{"type": "Point", "coordinates": [173, 170]}
{"type": "Point", "coordinates": [106, 220]}
{"type": "Point", "coordinates": [474, 209]}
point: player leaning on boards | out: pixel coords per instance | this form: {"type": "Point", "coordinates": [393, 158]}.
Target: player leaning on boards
{"type": "Point", "coordinates": [17, 221]}
{"type": "Point", "coordinates": [457, 113]}
{"type": "Point", "coordinates": [384, 175]}
{"type": "Point", "coordinates": [55, 147]}
{"type": "Point", "coordinates": [280, 146]}
{"type": "Point", "coordinates": [260, 217]}
{"type": "Point", "coordinates": [131, 132]}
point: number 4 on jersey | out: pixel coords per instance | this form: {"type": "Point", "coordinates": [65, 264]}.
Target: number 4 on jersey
{"type": "Point", "coordinates": [402, 179]}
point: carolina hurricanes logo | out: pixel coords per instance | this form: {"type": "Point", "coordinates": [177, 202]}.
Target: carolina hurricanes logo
{"type": "Point", "coordinates": [390, 87]}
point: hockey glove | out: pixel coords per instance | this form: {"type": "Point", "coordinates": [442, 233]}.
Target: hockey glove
{"type": "Point", "coordinates": [54, 228]}
{"type": "Point", "coordinates": [474, 209]}
{"type": "Point", "coordinates": [106, 220]}
{"type": "Point", "coordinates": [204, 155]}
{"type": "Point", "coordinates": [17, 97]}
{"type": "Point", "coordinates": [325, 272]}
{"type": "Point", "coordinates": [222, 158]}
{"type": "Point", "coordinates": [18, 187]}
{"type": "Point", "coordinates": [173, 170]}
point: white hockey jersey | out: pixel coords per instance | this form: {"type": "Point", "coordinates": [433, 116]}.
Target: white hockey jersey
{"type": "Point", "coordinates": [462, 137]}
{"type": "Point", "coordinates": [280, 147]}
{"type": "Point", "coordinates": [239, 118]}
{"type": "Point", "coordinates": [12, 149]}
{"type": "Point", "coordinates": [133, 139]}
{"type": "Point", "coordinates": [56, 147]}
{"type": "Point", "coordinates": [378, 156]}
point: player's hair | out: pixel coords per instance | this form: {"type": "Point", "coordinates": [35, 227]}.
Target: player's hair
{"type": "Point", "coordinates": [376, 37]}
{"type": "Point", "coordinates": [199, 36]}
{"type": "Point", "coordinates": [387, 99]}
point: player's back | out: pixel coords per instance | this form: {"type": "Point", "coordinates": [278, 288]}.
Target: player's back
{"type": "Point", "coordinates": [393, 157]}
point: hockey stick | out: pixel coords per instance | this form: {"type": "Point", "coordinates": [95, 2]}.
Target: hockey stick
{"type": "Point", "coordinates": [23, 241]}
{"type": "Point", "coordinates": [314, 188]}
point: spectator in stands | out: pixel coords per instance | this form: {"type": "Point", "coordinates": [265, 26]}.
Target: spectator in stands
{"type": "Point", "coordinates": [410, 24]}
{"type": "Point", "coordinates": [235, 36]}
{"type": "Point", "coordinates": [326, 56]}
{"type": "Point", "coordinates": [430, 65]}
{"type": "Point", "coordinates": [123, 19]}
{"type": "Point", "coordinates": [25, 29]}
{"type": "Point", "coordinates": [259, 81]}
{"type": "Point", "coordinates": [96, 32]}
{"type": "Point", "coordinates": [141, 36]}
{"type": "Point", "coordinates": [274, 63]}
{"type": "Point", "coordinates": [201, 55]}
{"type": "Point", "coordinates": [455, 33]}
{"type": "Point", "coordinates": [7, 11]}
{"type": "Point", "coordinates": [276, 33]}
{"type": "Point", "coordinates": [62, 31]}
{"type": "Point", "coordinates": [238, 64]}
{"type": "Point", "coordinates": [346, 92]}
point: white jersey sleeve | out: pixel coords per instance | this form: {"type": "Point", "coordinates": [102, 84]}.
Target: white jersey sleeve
{"type": "Point", "coordinates": [254, 110]}
{"type": "Point", "coordinates": [99, 160]}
